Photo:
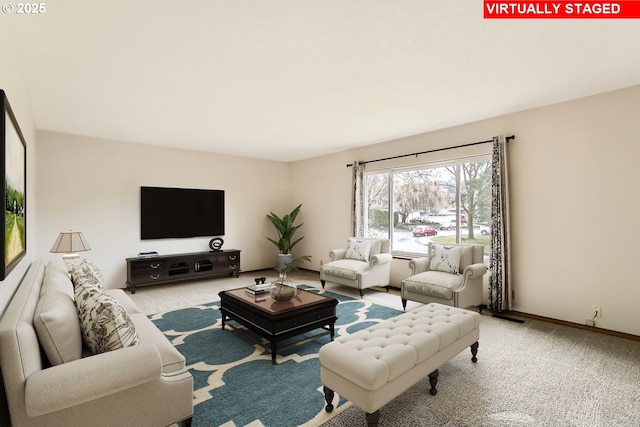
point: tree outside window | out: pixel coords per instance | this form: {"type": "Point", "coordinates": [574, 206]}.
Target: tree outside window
{"type": "Point", "coordinates": [452, 201]}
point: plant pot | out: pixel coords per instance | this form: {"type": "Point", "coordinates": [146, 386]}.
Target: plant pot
{"type": "Point", "coordinates": [282, 260]}
{"type": "Point", "coordinates": [283, 289]}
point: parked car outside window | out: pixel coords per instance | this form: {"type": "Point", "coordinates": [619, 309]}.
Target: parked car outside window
{"type": "Point", "coordinates": [482, 229]}
{"type": "Point", "coordinates": [448, 227]}
{"type": "Point", "coordinates": [424, 231]}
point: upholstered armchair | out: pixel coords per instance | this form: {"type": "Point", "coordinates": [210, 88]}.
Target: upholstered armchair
{"type": "Point", "coordinates": [362, 264]}
{"type": "Point", "coordinates": [449, 274]}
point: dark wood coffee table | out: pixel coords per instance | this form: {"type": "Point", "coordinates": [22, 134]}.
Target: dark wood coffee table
{"type": "Point", "coordinates": [279, 320]}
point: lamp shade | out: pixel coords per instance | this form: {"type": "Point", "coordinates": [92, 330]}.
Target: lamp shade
{"type": "Point", "coordinates": [70, 242]}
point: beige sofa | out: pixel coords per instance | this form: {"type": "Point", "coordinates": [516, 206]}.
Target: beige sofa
{"type": "Point", "coordinates": [146, 384]}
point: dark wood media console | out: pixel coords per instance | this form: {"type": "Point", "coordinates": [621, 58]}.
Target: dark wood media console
{"type": "Point", "coordinates": [181, 267]}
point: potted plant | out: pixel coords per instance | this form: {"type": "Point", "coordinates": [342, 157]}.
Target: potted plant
{"type": "Point", "coordinates": [293, 265]}
{"type": "Point", "coordinates": [284, 289]}
{"type": "Point", "coordinates": [286, 230]}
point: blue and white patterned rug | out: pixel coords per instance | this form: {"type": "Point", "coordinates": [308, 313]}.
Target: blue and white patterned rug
{"type": "Point", "coordinates": [235, 383]}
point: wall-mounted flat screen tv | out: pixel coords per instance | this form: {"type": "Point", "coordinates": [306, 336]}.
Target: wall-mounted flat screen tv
{"type": "Point", "coordinates": [180, 212]}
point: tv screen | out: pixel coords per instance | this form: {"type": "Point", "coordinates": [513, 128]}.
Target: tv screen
{"type": "Point", "coordinates": [180, 212]}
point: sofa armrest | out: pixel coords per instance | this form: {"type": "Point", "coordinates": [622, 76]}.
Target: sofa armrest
{"type": "Point", "coordinates": [419, 265]}
{"type": "Point", "coordinates": [90, 378]}
{"type": "Point", "coordinates": [380, 259]}
{"type": "Point", "coordinates": [337, 254]}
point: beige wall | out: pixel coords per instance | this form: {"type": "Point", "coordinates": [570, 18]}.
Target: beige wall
{"type": "Point", "coordinates": [93, 186]}
{"type": "Point", "coordinates": [11, 81]}
{"type": "Point", "coordinates": [573, 198]}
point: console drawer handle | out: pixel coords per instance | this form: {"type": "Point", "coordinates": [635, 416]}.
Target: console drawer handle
{"type": "Point", "coordinates": [155, 276]}
{"type": "Point", "coordinates": [233, 257]}
{"type": "Point", "coordinates": [154, 265]}
{"type": "Point", "coordinates": [232, 267]}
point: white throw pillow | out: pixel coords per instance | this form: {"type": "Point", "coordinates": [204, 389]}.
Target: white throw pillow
{"type": "Point", "coordinates": [445, 258]}
{"type": "Point", "coordinates": [104, 323]}
{"type": "Point", "coordinates": [358, 249]}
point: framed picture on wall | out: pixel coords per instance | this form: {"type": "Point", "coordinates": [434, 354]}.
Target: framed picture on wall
{"type": "Point", "coordinates": [13, 153]}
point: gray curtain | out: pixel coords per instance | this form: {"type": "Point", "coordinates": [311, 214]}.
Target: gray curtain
{"type": "Point", "coordinates": [357, 200]}
{"type": "Point", "coordinates": [500, 265]}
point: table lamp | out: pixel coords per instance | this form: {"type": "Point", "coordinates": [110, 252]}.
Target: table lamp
{"type": "Point", "coordinates": [70, 243]}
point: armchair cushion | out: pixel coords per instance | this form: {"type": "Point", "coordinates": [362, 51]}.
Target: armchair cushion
{"type": "Point", "coordinates": [466, 257]}
{"type": "Point", "coordinates": [358, 249]}
{"type": "Point", "coordinates": [445, 258]}
{"type": "Point", "coordinates": [345, 268]}
{"type": "Point", "coordinates": [436, 284]}
{"type": "Point", "coordinates": [376, 247]}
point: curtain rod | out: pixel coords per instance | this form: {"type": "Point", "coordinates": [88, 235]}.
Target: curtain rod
{"type": "Point", "coordinates": [508, 138]}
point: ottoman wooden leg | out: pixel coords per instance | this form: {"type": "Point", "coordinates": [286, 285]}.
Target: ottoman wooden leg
{"type": "Point", "coordinates": [372, 419]}
{"type": "Point", "coordinates": [328, 397]}
{"type": "Point", "coordinates": [433, 380]}
{"type": "Point", "coordinates": [474, 351]}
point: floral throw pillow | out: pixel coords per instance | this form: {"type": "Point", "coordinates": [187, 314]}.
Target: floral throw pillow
{"type": "Point", "coordinates": [104, 323]}
{"type": "Point", "coordinates": [86, 273]}
{"type": "Point", "coordinates": [445, 258]}
{"type": "Point", "coordinates": [358, 249]}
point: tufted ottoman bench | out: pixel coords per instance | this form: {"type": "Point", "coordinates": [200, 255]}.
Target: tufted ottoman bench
{"type": "Point", "coordinates": [373, 366]}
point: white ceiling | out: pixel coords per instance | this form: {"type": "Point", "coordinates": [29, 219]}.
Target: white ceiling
{"type": "Point", "coordinates": [293, 79]}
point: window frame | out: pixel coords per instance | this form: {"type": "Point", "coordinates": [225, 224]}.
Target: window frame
{"type": "Point", "coordinates": [391, 170]}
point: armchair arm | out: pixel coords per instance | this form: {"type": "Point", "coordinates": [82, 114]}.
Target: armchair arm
{"type": "Point", "coordinates": [380, 259]}
{"type": "Point", "coordinates": [90, 378]}
{"type": "Point", "coordinates": [419, 265]}
{"type": "Point", "coordinates": [474, 270]}
{"type": "Point", "coordinates": [337, 254]}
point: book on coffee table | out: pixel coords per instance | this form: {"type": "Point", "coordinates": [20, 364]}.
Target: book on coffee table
{"type": "Point", "coordinates": [258, 289]}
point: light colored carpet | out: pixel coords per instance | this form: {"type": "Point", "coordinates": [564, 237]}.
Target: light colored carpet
{"type": "Point", "coordinates": [155, 298]}
{"type": "Point", "coordinates": [528, 374]}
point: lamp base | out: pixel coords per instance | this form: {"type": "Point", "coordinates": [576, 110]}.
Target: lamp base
{"type": "Point", "coordinates": [70, 260]}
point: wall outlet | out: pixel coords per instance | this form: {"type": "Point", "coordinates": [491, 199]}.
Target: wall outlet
{"type": "Point", "coordinates": [596, 311]}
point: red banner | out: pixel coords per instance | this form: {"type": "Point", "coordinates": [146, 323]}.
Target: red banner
{"type": "Point", "coordinates": [625, 9]}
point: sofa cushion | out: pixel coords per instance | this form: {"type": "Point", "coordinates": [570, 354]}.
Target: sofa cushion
{"type": "Point", "coordinates": [436, 284]}
{"type": "Point", "coordinates": [358, 249]}
{"type": "Point", "coordinates": [124, 300]}
{"type": "Point", "coordinates": [56, 319]}
{"type": "Point", "coordinates": [445, 258]}
{"type": "Point", "coordinates": [148, 333]}
{"type": "Point", "coordinates": [172, 359]}
{"type": "Point", "coordinates": [104, 323]}
{"type": "Point", "coordinates": [86, 272]}
{"type": "Point", "coordinates": [61, 269]}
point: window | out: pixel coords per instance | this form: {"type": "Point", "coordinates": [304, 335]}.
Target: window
{"type": "Point", "coordinates": [444, 203]}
